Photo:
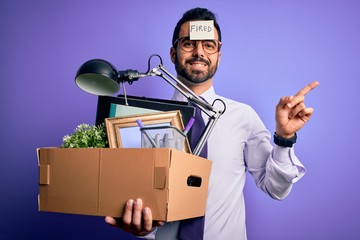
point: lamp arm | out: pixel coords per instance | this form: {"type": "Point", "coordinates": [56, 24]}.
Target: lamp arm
{"type": "Point", "coordinates": [184, 90]}
{"type": "Point", "coordinates": [207, 108]}
{"type": "Point", "coordinates": [206, 134]}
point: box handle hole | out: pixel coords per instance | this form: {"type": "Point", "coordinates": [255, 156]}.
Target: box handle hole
{"type": "Point", "coordinates": [193, 181]}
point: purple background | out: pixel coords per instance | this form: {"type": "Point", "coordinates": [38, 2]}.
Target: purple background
{"type": "Point", "coordinates": [271, 48]}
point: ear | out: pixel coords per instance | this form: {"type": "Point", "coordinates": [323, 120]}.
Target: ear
{"type": "Point", "coordinates": [172, 54]}
{"type": "Point", "coordinates": [219, 58]}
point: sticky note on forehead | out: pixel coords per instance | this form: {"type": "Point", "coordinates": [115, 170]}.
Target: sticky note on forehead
{"type": "Point", "coordinates": [200, 30]}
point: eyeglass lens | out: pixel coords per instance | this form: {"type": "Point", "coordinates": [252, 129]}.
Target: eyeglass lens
{"type": "Point", "coordinates": [209, 46]}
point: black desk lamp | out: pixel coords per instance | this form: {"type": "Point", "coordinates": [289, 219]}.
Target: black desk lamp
{"type": "Point", "coordinates": [100, 77]}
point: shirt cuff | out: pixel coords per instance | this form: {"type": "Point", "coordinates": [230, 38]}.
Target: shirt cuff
{"type": "Point", "coordinates": [286, 159]}
{"type": "Point", "coordinates": [150, 235]}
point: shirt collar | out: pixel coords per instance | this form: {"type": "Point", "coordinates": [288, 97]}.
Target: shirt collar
{"type": "Point", "coordinates": [208, 95]}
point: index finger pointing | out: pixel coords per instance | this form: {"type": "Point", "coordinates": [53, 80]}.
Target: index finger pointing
{"type": "Point", "coordinates": [307, 88]}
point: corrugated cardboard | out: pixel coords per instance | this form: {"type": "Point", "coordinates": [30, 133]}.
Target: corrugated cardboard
{"type": "Point", "coordinates": [99, 181]}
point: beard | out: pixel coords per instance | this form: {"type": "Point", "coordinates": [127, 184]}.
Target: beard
{"type": "Point", "coordinates": [195, 76]}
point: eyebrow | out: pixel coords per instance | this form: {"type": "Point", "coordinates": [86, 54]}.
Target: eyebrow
{"type": "Point", "coordinates": [188, 38]}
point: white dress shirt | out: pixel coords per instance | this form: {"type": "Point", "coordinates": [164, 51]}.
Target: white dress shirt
{"type": "Point", "coordinates": [238, 143]}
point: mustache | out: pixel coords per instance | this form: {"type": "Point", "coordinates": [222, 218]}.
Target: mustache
{"type": "Point", "coordinates": [197, 59]}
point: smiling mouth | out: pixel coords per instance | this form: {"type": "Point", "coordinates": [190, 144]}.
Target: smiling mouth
{"type": "Point", "coordinates": [197, 64]}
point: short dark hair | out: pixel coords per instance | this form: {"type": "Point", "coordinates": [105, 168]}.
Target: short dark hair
{"type": "Point", "coordinates": [195, 14]}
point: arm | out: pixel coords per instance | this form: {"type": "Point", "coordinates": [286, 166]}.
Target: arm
{"type": "Point", "coordinates": [276, 169]}
{"type": "Point", "coordinates": [136, 220]}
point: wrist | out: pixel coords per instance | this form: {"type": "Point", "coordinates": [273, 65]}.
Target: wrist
{"type": "Point", "coordinates": [286, 136]}
{"type": "Point", "coordinates": [283, 133]}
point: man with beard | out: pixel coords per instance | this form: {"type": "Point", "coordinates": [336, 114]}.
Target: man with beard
{"type": "Point", "coordinates": [238, 142]}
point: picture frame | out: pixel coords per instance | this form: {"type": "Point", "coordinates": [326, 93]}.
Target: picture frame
{"type": "Point", "coordinates": [124, 132]}
{"type": "Point", "coordinates": [109, 106]}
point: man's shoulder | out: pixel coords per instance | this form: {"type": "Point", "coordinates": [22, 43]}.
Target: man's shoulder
{"type": "Point", "coordinates": [234, 104]}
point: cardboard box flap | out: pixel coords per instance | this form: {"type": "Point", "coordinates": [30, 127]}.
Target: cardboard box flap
{"type": "Point", "coordinates": [73, 180]}
{"type": "Point", "coordinates": [130, 174]}
{"type": "Point", "coordinates": [189, 175]}
{"type": "Point", "coordinates": [160, 174]}
{"type": "Point", "coordinates": [124, 173]}
{"type": "Point", "coordinates": [44, 174]}
{"type": "Point", "coordinates": [162, 158]}
{"type": "Point", "coordinates": [44, 167]}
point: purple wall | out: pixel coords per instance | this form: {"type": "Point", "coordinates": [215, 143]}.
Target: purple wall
{"type": "Point", "coordinates": [270, 50]}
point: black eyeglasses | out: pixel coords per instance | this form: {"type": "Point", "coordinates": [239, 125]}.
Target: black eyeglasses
{"type": "Point", "coordinates": [209, 46]}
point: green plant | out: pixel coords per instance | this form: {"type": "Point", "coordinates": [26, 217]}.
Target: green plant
{"type": "Point", "coordinates": [87, 136]}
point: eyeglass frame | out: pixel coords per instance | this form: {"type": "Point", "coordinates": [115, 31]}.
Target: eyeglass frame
{"type": "Point", "coordinates": [196, 41]}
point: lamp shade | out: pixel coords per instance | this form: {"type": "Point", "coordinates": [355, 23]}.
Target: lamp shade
{"type": "Point", "coordinates": [98, 77]}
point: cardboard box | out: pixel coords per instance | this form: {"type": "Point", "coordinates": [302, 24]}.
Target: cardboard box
{"type": "Point", "coordinates": [99, 181]}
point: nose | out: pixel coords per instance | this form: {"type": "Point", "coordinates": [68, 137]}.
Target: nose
{"type": "Point", "coordinates": [199, 50]}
